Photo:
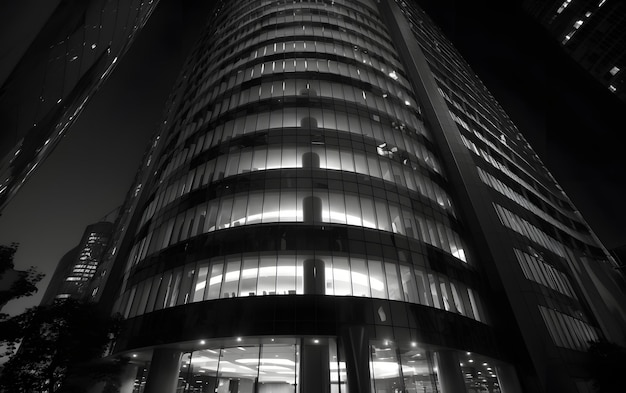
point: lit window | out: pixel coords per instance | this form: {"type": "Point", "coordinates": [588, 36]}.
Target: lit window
{"type": "Point", "coordinates": [563, 6]}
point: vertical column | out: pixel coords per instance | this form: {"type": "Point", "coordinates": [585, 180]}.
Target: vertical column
{"type": "Point", "coordinates": [314, 275]}
{"type": "Point", "coordinates": [127, 378]}
{"type": "Point", "coordinates": [507, 379]}
{"type": "Point", "coordinates": [164, 369]}
{"type": "Point", "coordinates": [312, 210]}
{"type": "Point", "coordinates": [449, 372]}
{"type": "Point", "coordinates": [314, 367]}
{"type": "Point", "coordinates": [356, 347]}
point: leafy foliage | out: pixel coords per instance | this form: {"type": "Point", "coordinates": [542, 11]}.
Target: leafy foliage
{"type": "Point", "coordinates": [57, 341]}
{"type": "Point", "coordinates": [25, 284]}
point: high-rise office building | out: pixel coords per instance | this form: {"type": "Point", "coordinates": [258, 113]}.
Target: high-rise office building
{"type": "Point", "coordinates": [592, 32]}
{"type": "Point", "coordinates": [78, 266]}
{"type": "Point", "coordinates": [335, 203]}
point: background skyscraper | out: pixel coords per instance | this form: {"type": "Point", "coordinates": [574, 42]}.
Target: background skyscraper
{"type": "Point", "coordinates": [77, 267]}
{"type": "Point", "coordinates": [593, 32]}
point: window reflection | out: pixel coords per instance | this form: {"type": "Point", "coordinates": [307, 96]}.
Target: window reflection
{"type": "Point", "coordinates": [290, 206]}
{"type": "Point", "coordinates": [271, 367]}
{"type": "Point", "coordinates": [284, 274]}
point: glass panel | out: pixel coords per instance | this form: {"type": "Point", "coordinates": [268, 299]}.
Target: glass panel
{"type": "Point", "coordinates": [141, 298]}
{"type": "Point", "coordinates": [288, 206]}
{"type": "Point", "coordinates": [215, 281]}
{"type": "Point", "coordinates": [289, 157]}
{"type": "Point", "coordinates": [341, 276]}
{"type": "Point", "coordinates": [199, 285]}
{"type": "Point", "coordinates": [384, 369]}
{"type": "Point", "coordinates": [173, 290]}
{"type": "Point", "coordinates": [198, 223]}
{"type": "Point", "coordinates": [434, 290]}
{"type": "Point", "coordinates": [237, 369]}
{"type": "Point", "coordinates": [231, 278]}
{"type": "Point", "coordinates": [156, 284]}
{"type": "Point", "coordinates": [278, 368]}
{"type": "Point", "coordinates": [397, 225]}
{"type": "Point", "coordinates": [273, 158]}
{"type": "Point", "coordinates": [367, 209]}
{"type": "Point", "coordinates": [249, 275]}
{"type": "Point", "coordinates": [271, 206]}
{"type": "Point", "coordinates": [392, 281]}
{"type": "Point", "coordinates": [408, 284]}
{"type": "Point", "coordinates": [377, 279]}
{"type": "Point", "coordinates": [255, 204]}
{"type": "Point", "coordinates": [177, 228]}
{"type": "Point", "coordinates": [286, 275]}
{"type": "Point", "coordinates": [445, 295]}
{"type": "Point", "coordinates": [209, 224]}
{"type": "Point", "coordinates": [382, 216]}
{"type": "Point", "coordinates": [267, 276]}
{"type": "Point", "coordinates": [457, 299]}
{"type": "Point", "coordinates": [163, 291]}
{"type": "Point", "coordinates": [239, 210]}
{"type": "Point", "coordinates": [223, 217]}
{"type": "Point", "coordinates": [360, 282]}
{"type": "Point", "coordinates": [353, 210]}
{"type": "Point", "coordinates": [337, 208]}
{"type": "Point", "coordinates": [328, 263]}
{"type": "Point", "coordinates": [417, 371]}
{"type": "Point", "coordinates": [185, 285]}
{"type": "Point", "coordinates": [422, 288]}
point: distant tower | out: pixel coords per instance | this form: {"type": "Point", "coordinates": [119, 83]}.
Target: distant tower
{"type": "Point", "coordinates": [592, 32]}
{"type": "Point", "coordinates": [335, 203]}
{"type": "Point", "coordinates": [77, 266]}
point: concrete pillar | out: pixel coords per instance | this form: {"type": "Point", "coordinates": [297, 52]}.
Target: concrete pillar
{"type": "Point", "coordinates": [127, 378]}
{"type": "Point", "coordinates": [312, 210]}
{"type": "Point", "coordinates": [314, 275]}
{"type": "Point", "coordinates": [449, 373]}
{"type": "Point", "coordinates": [164, 370]}
{"type": "Point", "coordinates": [310, 160]}
{"type": "Point", "coordinates": [356, 347]}
{"type": "Point", "coordinates": [314, 367]}
{"type": "Point", "coordinates": [507, 379]}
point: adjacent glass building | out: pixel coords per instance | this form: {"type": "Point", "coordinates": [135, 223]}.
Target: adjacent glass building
{"type": "Point", "coordinates": [63, 55]}
{"type": "Point", "coordinates": [335, 203]}
{"type": "Point", "coordinates": [78, 266]}
{"type": "Point", "coordinates": [592, 32]}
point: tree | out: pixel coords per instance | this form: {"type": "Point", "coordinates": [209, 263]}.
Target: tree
{"type": "Point", "coordinates": [15, 284]}
{"type": "Point", "coordinates": [57, 341]}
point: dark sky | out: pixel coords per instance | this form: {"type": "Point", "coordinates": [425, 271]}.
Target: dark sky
{"type": "Point", "coordinates": [88, 174]}
{"type": "Point", "coordinates": [570, 121]}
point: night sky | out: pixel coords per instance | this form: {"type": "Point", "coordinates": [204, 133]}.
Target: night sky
{"type": "Point", "coordinates": [571, 121]}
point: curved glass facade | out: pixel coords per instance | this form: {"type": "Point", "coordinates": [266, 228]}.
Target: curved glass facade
{"type": "Point", "coordinates": [271, 131]}
{"type": "Point", "coordinates": [299, 231]}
